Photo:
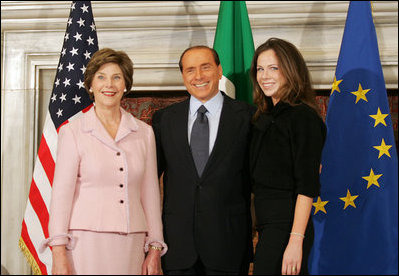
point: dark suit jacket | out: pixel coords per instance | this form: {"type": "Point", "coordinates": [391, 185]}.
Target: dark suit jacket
{"type": "Point", "coordinates": [205, 217]}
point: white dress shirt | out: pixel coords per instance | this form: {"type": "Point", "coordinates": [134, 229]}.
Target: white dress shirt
{"type": "Point", "coordinates": [214, 107]}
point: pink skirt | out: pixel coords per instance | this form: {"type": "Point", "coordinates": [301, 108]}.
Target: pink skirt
{"type": "Point", "coordinates": [107, 253]}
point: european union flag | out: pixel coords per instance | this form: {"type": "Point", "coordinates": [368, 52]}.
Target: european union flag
{"type": "Point", "coordinates": [356, 215]}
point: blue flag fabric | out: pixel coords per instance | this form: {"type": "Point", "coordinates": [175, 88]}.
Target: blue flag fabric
{"type": "Point", "coordinates": [80, 43]}
{"type": "Point", "coordinates": [356, 215]}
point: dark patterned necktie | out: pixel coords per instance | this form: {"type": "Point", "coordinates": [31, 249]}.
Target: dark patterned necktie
{"type": "Point", "coordinates": [199, 141]}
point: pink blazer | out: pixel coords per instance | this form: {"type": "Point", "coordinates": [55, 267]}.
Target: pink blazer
{"type": "Point", "coordinates": [106, 185]}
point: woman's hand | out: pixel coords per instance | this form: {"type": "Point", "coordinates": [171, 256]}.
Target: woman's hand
{"type": "Point", "coordinates": [61, 265]}
{"type": "Point", "coordinates": [152, 263]}
{"type": "Point", "coordinates": [292, 258]}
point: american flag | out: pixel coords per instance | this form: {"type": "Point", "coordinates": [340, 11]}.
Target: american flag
{"type": "Point", "coordinates": [68, 100]}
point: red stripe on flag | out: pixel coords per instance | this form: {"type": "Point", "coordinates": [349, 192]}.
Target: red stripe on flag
{"type": "Point", "coordinates": [67, 121]}
{"type": "Point", "coordinates": [46, 159]}
{"type": "Point", "coordinates": [87, 108]}
{"type": "Point", "coordinates": [39, 206]}
{"type": "Point", "coordinates": [64, 123]}
{"type": "Point", "coordinates": [31, 248]}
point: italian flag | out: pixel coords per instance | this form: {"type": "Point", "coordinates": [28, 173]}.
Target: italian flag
{"type": "Point", "coordinates": [235, 47]}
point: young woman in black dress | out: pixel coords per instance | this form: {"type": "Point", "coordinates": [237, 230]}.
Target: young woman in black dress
{"type": "Point", "coordinates": [288, 137]}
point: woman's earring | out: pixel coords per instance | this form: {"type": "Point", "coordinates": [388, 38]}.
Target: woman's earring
{"type": "Point", "coordinates": [91, 91]}
{"type": "Point", "coordinates": [125, 90]}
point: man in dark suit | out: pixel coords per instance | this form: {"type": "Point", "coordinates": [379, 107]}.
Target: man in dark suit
{"type": "Point", "coordinates": [202, 149]}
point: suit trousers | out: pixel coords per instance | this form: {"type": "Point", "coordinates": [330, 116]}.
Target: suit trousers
{"type": "Point", "coordinates": [199, 269]}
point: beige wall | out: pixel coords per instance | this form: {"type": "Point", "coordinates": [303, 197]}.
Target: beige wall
{"type": "Point", "coordinates": [153, 33]}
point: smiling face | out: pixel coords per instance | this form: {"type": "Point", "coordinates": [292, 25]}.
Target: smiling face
{"type": "Point", "coordinates": [108, 85]}
{"type": "Point", "coordinates": [269, 75]}
{"type": "Point", "coordinates": [200, 74]}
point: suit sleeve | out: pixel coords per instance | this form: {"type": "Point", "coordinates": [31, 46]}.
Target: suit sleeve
{"type": "Point", "coordinates": [150, 194]}
{"type": "Point", "coordinates": [156, 125]}
{"type": "Point", "coordinates": [64, 184]}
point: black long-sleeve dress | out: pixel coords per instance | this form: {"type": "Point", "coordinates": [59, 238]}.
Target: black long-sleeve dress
{"type": "Point", "coordinates": [285, 157]}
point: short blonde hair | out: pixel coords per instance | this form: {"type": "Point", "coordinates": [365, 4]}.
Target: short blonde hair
{"type": "Point", "coordinates": [107, 55]}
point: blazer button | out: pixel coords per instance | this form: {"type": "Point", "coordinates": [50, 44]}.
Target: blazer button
{"type": "Point", "coordinates": [121, 201]}
{"type": "Point", "coordinates": [121, 185]}
{"type": "Point", "coordinates": [118, 153]}
{"type": "Point", "coordinates": [121, 169]}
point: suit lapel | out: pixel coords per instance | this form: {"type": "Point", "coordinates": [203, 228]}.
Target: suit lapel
{"type": "Point", "coordinates": [179, 123]}
{"type": "Point", "coordinates": [227, 130]}
{"type": "Point", "coordinates": [93, 125]}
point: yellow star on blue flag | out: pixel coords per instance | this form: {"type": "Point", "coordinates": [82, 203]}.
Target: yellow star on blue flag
{"type": "Point", "coordinates": [383, 149]}
{"type": "Point", "coordinates": [335, 85]}
{"type": "Point", "coordinates": [349, 200]}
{"type": "Point", "coordinates": [360, 93]}
{"type": "Point", "coordinates": [379, 118]}
{"type": "Point", "coordinates": [319, 205]}
{"type": "Point", "coordinates": [372, 179]}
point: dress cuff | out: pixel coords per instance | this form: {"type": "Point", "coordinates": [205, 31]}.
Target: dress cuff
{"type": "Point", "coordinates": [65, 239]}
{"type": "Point", "coordinates": [161, 243]}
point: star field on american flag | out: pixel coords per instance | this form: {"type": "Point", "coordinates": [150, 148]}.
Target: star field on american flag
{"type": "Point", "coordinates": [80, 43]}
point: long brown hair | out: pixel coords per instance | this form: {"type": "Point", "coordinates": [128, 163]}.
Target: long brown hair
{"type": "Point", "coordinates": [298, 87]}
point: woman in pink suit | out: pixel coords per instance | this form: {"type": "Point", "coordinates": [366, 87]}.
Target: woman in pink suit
{"type": "Point", "coordinates": [105, 209]}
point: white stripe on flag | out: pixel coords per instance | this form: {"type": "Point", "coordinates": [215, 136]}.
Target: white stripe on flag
{"type": "Point", "coordinates": [36, 235]}
{"type": "Point", "coordinates": [51, 136]}
{"type": "Point", "coordinates": [228, 87]}
{"type": "Point", "coordinates": [42, 183]}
